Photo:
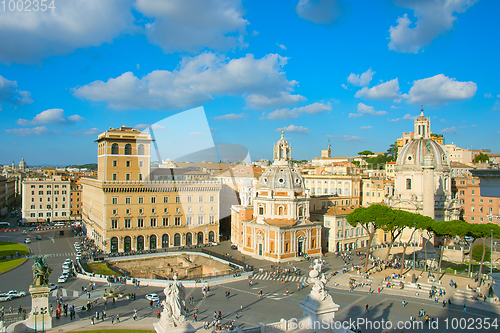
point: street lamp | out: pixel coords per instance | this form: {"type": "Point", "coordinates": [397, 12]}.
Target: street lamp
{"type": "Point", "coordinates": [43, 311]}
{"type": "Point", "coordinates": [35, 313]}
{"type": "Point", "coordinates": [413, 277]}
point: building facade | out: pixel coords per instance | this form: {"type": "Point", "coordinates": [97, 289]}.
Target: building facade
{"type": "Point", "coordinates": [7, 194]}
{"type": "Point", "coordinates": [272, 221]}
{"type": "Point", "coordinates": [76, 200]}
{"type": "Point", "coordinates": [476, 207]}
{"type": "Point", "coordinates": [124, 210]}
{"type": "Point", "coordinates": [46, 199]}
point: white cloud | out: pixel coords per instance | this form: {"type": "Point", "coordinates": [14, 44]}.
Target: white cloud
{"type": "Point", "coordinates": [365, 127]}
{"type": "Point", "coordinates": [154, 126]}
{"type": "Point", "coordinates": [196, 133]}
{"type": "Point", "coordinates": [433, 19]}
{"type": "Point", "coordinates": [440, 89]}
{"type": "Point", "coordinates": [450, 130]}
{"type": "Point", "coordinates": [386, 90]}
{"type": "Point", "coordinates": [409, 117]}
{"type": "Point", "coordinates": [138, 66]}
{"type": "Point", "coordinates": [28, 131]}
{"type": "Point", "coordinates": [90, 131]}
{"type": "Point", "coordinates": [9, 92]}
{"type": "Point", "coordinates": [488, 95]}
{"type": "Point", "coordinates": [364, 109]}
{"type": "Point", "coordinates": [344, 86]}
{"type": "Point", "coordinates": [293, 128]}
{"type": "Point", "coordinates": [397, 119]}
{"type": "Point", "coordinates": [474, 125]}
{"type": "Point", "coordinates": [396, 107]}
{"type": "Point", "coordinates": [462, 127]}
{"type": "Point", "coordinates": [319, 11]}
{"type": "Point", "coordinates": [283, 47]}
{"type": "Point", "coordinates": [191, 26]}
{"type": "Point", "coordinates": [443, 121]}
{"type": "Point", "coordinates": [361, 80]}
{"type": "Point", "coordinates": [29, 36]}
{"type": "Point", "coordinates": [231, 116]}
{"type": "Point", "coordinates": [51, 116]}
{"type": "Point", "coordinates": [315, 108]}
{"type": "Point", "coordinates": [346, 137]}
{"type": "Point", "coordinates": [261, 82]}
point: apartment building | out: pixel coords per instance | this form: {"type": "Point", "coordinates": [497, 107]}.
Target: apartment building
{"type": "Point", "coordinates": [475, 207]}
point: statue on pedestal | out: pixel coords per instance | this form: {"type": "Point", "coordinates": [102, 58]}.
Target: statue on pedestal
{"type": "Point", "coordinates": [41, 270]}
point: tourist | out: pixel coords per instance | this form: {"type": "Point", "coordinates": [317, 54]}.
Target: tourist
{"type": "Point", "coordinates": [465, 308]}
{"type": "Point", "coordinates": [117, 318]}
{"type": "Point", "coordinates": [366, 307]}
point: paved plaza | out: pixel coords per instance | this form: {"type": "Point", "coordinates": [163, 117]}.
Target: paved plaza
{"type": "Point", "coordinates": [244, 304]}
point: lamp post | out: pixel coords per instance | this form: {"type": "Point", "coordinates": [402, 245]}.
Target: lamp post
{"type": "Point", "coordinates": [35, 313]}
{"type": "Point", "coordinates": [490, 292]}
{"type": "Point", "coordinates": [413, 277]}
{"type": "Point", "coordinates": [43, 311]}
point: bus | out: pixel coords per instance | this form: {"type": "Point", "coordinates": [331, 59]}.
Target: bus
{"type": "Point", "coordinates": [4, 225]}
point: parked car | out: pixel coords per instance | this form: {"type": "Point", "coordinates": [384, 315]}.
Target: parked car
{"type": "Point", "coordinates": [24, 232]}
{"type": "Point", "coordinates": [16, 294]}
{"type": "Point", "coordinates": [234, 247]}
{"type": "Point", "coordinates": [53, 286]}
{"type": "Point", "coordinates": [152, 297]}
{"type": "Point", "coordinates": [38, 237]}
{"type": "Point", "coordinates": [5, 298]}
{"type": "Point", "coordinates": [62, 279]}
{"type": "Point", "coordinates": [27, 240]}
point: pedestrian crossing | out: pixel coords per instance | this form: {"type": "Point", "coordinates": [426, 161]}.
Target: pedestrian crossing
{"type": "Point", "coordinates": [288, 278]}
{"type": "Point", "coordinates": [64, 293]}
{"type": "Point", "coordinates": [65, 254]}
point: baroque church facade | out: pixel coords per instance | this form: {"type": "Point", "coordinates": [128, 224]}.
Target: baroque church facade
{"type": "Point", "coordinates": [272, 222]}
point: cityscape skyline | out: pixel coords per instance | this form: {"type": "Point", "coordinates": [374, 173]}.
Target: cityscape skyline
{"type": "Point", "coordinates": [355, 74]}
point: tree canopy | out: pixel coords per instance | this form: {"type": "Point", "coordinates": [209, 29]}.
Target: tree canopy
{"type": "Point", "coordinates": [365, 153]}
{"type": "Point", "coordinates": [481, 158]}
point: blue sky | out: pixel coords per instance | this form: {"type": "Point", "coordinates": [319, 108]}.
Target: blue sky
{"type": "Point", "coordinates": [353, 72]}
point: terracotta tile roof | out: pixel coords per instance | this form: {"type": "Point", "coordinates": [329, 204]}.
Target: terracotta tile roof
{"type": "Point", "coordinates": [340, 210]}
{"type": "Point", "coordinates": [281, 222]}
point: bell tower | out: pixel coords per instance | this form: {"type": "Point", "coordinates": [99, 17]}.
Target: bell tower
{"type": "Point", "coordinates": [282, 150]}
{"type": "Point", "coordinates": [422, 127]}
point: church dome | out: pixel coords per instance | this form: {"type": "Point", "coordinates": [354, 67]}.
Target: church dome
{"type": "Point", "coordinates": [420, 152]}
{"type": "Point", "coordinates": [281, 175]}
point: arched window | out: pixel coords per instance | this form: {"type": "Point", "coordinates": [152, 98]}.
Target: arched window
{"type": "Point", "coordinates": [127, 244]}
{"type": "Point", "coordinates": [199, 238]}
{"type": "Point", "coordinates": [177, 239]}
{"type": "Point", "coordinates": [280, 210]}
{"type": "Point", "coordinates": [128, 149]}
{"type": "Point", "coordinates": [164, 241]}
{"type": "Point", "coordinates": [301, 211]}
{"type": "Point", "coordinates": [152, 242]}
{"type": "Point", "coordinates": [140, 243]}
{"type": "Point", "coordinates": [114, 149]}
{"type": "Point", "coordinates": [261, 210]}
{"type": "Point", "coordinates": [140, 149]}
{"type": "Point", "coordinates": [189, 238]}
{"type": "Point", "coordinates": [211, 236]}
{"type": "Point", "coordinates": [287, 247]}
{"type": "Point", "coordinates": [114, 244]}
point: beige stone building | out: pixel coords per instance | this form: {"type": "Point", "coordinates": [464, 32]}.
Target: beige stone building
{"type": "Point", "coordinates": [475, 206]}
{"type": "Point", "coordinates": [272, 221]}
{"type": "Point", "coordinates": [76, 199]}
{"type": "Point", "coordinates": [389, 169]}
{"type": "Point", "coordinates": [373, 191]}
{"type": "Point", "coordinates": [46, 199]}
{"type": "Point", "coordinates": [124, 210]}
{"type": "Point", "coordinates": [7, 194]}
{"type": "Point", "coordinates": [459, 155]}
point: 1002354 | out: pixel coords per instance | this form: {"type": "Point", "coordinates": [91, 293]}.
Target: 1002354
{"type": "Point", "coordinates": [27, 5]}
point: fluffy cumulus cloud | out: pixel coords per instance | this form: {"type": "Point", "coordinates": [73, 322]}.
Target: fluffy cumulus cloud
{"type": "Point", "coordinates": [10, 94]}
{"type": "Point", "coordinates": [393, 120]}
{"type": "Point", "coordinates": [450, 130]}
{"type": "Point", "coordinates": [364, 109]}
{"type": "Point", "coordinates": [90, 131]}
{"type": "Point", "coordinates": [311, 109]}
{"type": "Point", "coordinates": [385, 90]}
{"type": "Point", "coordinates": [231, 116]}
{"type": "Point", "coordinates": [365, 127]}
{"type": "Point", "coordinates": [409, 117]}
{"type": "Point", "coordinates": [361, 80]}
{"type": "Point", "coordinates": [29, 36]}
{"type": "Point", "coordinates": [179, 25]}
{"type": "Point", "coordinates": [440, 89]}
{"type": "Point", "coordinates": [294, 129]}
{"type": "Point", "coordinates": [281, 46]}
{"type": "Point", "coordinates": [51, 116]}
{"type": "Point", "coordinates": [320, 11]}
{"type": "Point", "coordinates": [433, 18]}
{"type": "Point", "coordinates": [40, 130]}
{"type": "Point", "coordinates": [261, 82]}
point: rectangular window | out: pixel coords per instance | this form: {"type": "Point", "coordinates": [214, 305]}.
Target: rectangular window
{"type": "Point", "coordinates": [115, 163]}
{"type": "Point", "coordinates": [64, 186]}
{"type": "Point", "coordinates": [408, 184]}
{"type": "Point", "coordinates": [200, 219]}
{"type": "Point", "coordinates": [177, 199]}
{"type": "Point", "coordinates": [127, 211]}
{"type": "Point", "coordinates": [32, 186]}
{"type": "Point", "coordinates": [472, 192]}
{"type": "Point", "coordinates": [165, 210]}
{"type": "Point", "coordinates": [189, 198]}
{"type": "Point", "coordinates": [40, 192]}
{"type": "Point", "coordinates": [472, 209]}
{"type": "Point", "coordinates": [32, 192]}
{"type": "Point", "coordinates": [40, 186]}
{"type": "Point", "coordinates": [127, 223]}
{"type": "Point", "coordinates": [114, 211]}
{"type": "Point", "coordinates": [114, 201]}
{"type": "Point", "coordinates": [462, 192]}
{"type": "Point", "coordinates": [212, 219]}
{"type": "Point", "coordinates": [165, 199]}
{"type": "Point", "coordinates": [153, 222]}
{"type": "Point", "coordinates": [32, 206]}
{"type": "Point", "coordinates": [114, 224]}
{"type": "Point", "coordinates": [63, 213]}
{"type": "Point", "coordinates": [200, 198]}
{"type": "Point", "coordinates": [127, 164]}
{"type": "Point", "coordinates": [127, 176]}
{"type": "Point", "coordinates": [177, 221]}
{"type": "Point", "coordinates": [165, 221]}
{"type": "Point", "coordinates": [153, 211]}
{"type": "Point", "coordinates": [189, 220]}
{"type": "Point", "coordinates": [472, 200]}
{"type": "Point", "coordinates": [141, 200]}
{"type": "Point", "coordinates": [48, 192]}
{"type": "Point", "coordinates": [141, 163]}
{"type": "Point", "coordinates": [115, 176]}
{"type": "Point", "coordinates": [127, 201]}
{"type": "Point", "coordinates": [32, 215]}
{"type": "Point", "coordinates": [140, 210]}
{"type": "Point", "coordinates": [153, 200]}
{"type": "Point", "coordinates": [140, 176]}
{"type": "Point", "coordinates": [140, 223]}
{"type": "Point", "coordinates": [480, 200]}
{"type": "Point", "coordinates": [56, 192]}
{"type": "Point", "coordinates": [212, 198]}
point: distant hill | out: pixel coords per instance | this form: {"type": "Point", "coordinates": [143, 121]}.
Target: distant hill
{"type": "Point", "coordinates": [90, 166]}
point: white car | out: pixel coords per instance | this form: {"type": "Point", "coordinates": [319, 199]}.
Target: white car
{"type": "Point", "coordinates": [62, 279]}
{"type": "Point", "coordinates": [27, 240]}
{"type": "Point", "coordinates": [15, 293]}
{"type": "Point", "coordinates": [53, 286]}
{"type": "Point", "coordinates": [24, 232]}
{"type": "Point", "coordinates": [5, 298]}
{"type": "Point", "coordinates": [152, 297]}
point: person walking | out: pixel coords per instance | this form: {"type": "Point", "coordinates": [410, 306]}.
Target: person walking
{"type": "Point", "coordinates": [366, 307]}
{"type": "Point", "coordinates": [465, 308]}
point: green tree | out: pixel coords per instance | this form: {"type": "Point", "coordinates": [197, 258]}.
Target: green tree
{"type": "Point", "coordinates": [483, 231]}
{"type": "Point", "coordinates": [392, 152]}
{"type": "Point", "coordinates": [378, 162]}
{"type": "Point", "coordinates": [370, 218]}
{"type": "Point", "coordinates": [394, 223]}
{"type": "Point", "coordinates": [480, 158]}
{"type": "Point", "coordinates": [448, 230]}
{"type": "Point", "coordinates": [365, 153]}
{"type": "Point", "coordinates": [478, 253]}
